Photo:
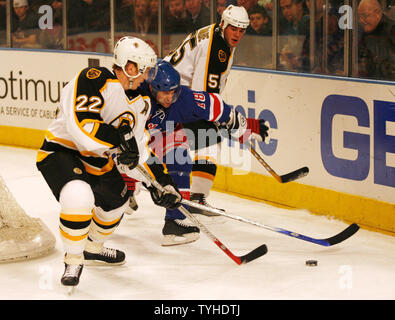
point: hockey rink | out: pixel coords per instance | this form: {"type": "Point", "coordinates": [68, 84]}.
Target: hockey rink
{"type": "Point", "coordinates": [362, 267]}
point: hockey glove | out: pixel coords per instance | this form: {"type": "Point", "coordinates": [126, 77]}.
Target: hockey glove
{"type": "Point", "coordinates": [128, 151]}
{"type": "Point", "coordinates": [171, 198]}
{"type": "Point", "coordinates": [244, 129]}
{"type": "Point", "coordinates": [257, 128]}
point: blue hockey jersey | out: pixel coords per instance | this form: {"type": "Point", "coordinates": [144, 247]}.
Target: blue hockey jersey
{"type": "Point", "coordinates": [189, 107]}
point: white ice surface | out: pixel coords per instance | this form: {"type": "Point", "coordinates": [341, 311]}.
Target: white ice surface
{"type": "Point", "coordinates": [362, 267]}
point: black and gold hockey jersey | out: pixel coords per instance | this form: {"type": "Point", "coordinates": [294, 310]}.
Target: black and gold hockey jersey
{"type": "Point", "coordinates": [92, 106]}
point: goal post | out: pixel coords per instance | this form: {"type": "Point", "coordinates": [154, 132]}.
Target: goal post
{"type": "Point", "coordinates": [21, 237]}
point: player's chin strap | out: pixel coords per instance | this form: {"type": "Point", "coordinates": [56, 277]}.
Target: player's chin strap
{"type": "Point", "coordinates": [131, 78]}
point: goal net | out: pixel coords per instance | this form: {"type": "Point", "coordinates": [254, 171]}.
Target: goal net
{"type": "Point", "coordinates": [21, 236]}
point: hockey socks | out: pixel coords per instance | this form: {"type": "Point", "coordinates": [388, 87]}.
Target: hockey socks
{"type": "Point", "coordinates": [203, 174]}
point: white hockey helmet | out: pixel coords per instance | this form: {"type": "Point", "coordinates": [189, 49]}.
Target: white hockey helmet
{"type": "Point", "coordinates": [135, 50]}
{"type": "Point", "coordinates": [235, 16]}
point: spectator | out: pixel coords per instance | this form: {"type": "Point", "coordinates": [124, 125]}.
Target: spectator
{"type": "Point", "coordinates": [198, 15]}
{"type": "Point", "coordinates": [142, 18]}
{"type": "Point", "coordinates": [88, 15]}
{"type": "Point", "coordinates": [136, 16]}
{"type": "Point", "coordinates": [260, 22]}
{"type": "Point", "coordinates": [50, 37]}
{"type": "Point", "coordinates": [268, 5]}
{"type": "Point", "coordinates": [97, 15]}
{"type": "Point", "coordinates": [154, 9]}
{"type": "Point", "coordinates": [176, 17]}
{"type": "Point", "coordinates": [297, 23]}
{"type": "Point", "coordinates": [124, 12]}
{"type": "Point", "coordinates": [335, 44]}
{"type": "Point", "coordinates": [376, 46]}
{"type": "Point", "coordinates": [221, 6]}
{"type": "Point", "coordinates": [56, 7]}
{"type": "Point", "coordinates": [389, 9]}
{"type": "Point", "coordinates": [247, 4]}
{"type": "Point", "coordinates": [25, 26]}
{"type": "Point", "coordinates": [293, 30]}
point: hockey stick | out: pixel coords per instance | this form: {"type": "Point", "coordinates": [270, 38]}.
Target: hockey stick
{"type": "Point", "coordinates": [288, 177]}
{"type": "Point", "coordinates": [254, 254]}
{"type": "Point", "coordinates": [345, 234]}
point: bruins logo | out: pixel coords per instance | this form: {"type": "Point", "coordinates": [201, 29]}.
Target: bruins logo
{"type": "Point", "coordinates": [93, 73]}
{"type": "Point", "coordinates": [222, 55]}
{"type": "Point", "coordinates": [125, 118]}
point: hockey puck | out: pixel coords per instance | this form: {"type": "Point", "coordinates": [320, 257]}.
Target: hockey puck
{"type": "Point", "coordinates": [311, 263]}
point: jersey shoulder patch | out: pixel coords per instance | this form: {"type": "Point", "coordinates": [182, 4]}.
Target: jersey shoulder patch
{"type": "Point", "coordinates": [93, 73]}
{"type": "Point", "coordinates": [92, 80]}
{"type": "Point", "coordinates": [98, 75]}
{"type": "Point", "coordinates": [204, 33]}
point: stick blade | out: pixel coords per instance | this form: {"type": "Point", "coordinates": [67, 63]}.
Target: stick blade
{"type": "Point", "coordinates": [254, 254]}
{"type": "Point", "coordinates": [294, 175]}
{"type": "Point", "coordinates": [345, 234]}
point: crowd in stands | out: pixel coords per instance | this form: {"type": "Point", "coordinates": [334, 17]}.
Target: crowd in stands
{"type": "Point", "coordinates": [299, 49]}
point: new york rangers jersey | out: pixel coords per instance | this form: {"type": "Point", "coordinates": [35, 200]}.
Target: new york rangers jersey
{"type": "Point", "coordinates": [190, 106]}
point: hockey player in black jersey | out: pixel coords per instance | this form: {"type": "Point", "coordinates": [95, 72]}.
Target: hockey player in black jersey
{"type": "Point", "coordinates": [97, 130]}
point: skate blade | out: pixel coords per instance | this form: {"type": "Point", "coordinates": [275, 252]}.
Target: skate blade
{"type": "Point", "coordinates": [129, 211]}
{"type": "Point", "coordinates": [173, 240]}
{"type": "Point", "coordinates": [99, 263]}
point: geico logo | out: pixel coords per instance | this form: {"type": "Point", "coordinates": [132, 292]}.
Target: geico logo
{"type": "Point", "coordinates": [355, 137]}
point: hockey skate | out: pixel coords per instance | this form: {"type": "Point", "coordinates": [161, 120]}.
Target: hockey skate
{"type": "Point", "coordinates": [201, 199]}
{"type": "Point", "coordinates": [73, 268]}
{"type": "Point", "coordinates": [96, 254]}
{"type": "Point", "coordinates": [178, 232]}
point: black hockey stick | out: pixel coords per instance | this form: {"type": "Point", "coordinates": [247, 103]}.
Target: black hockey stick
{"type": "Point", "coordinates": [254, 254]}
{"type": "Point", "coordinates": [288, 177]}
{"type": "Point", "coordinates": [345, 234]}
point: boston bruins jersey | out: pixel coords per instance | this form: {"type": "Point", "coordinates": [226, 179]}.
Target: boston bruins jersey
{"type": "Point", "coordinates": [92, 106]}
{"type": "Point", "coordinates": [203, 60]}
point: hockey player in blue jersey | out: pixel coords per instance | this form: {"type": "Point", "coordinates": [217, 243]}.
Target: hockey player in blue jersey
{"type": "Point", "coordinates": [172, 106]}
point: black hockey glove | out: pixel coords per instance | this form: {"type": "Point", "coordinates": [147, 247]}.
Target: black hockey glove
{"type": "Point", "coordinates": [129, 152]}
{"type": "Point", "coordinates": [171, 198]}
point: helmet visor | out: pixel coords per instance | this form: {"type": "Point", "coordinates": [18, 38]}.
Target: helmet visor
{"type": "Point", "coordinates": [152, 73]}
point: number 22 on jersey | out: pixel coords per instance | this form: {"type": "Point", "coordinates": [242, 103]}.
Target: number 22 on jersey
{"type": "Point", "coordinates": [85, 104]}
